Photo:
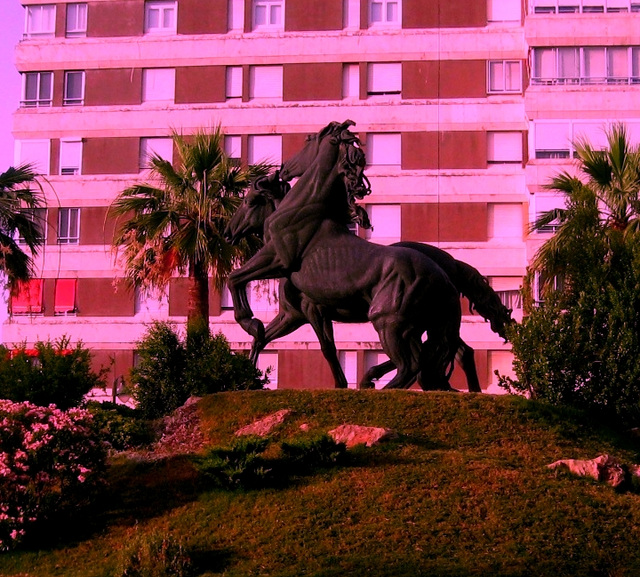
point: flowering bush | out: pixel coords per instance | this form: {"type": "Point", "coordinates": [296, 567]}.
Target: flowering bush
{"type": "Point", "coordinates": [51, 461]}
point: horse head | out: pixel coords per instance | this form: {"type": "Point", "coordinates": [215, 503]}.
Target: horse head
{"type": "Point", "coordinates": [260, 202]}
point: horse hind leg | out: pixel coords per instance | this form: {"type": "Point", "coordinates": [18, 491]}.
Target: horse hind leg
{"type": "Point", "coordinates": [436, 362]}
{"type": "Point", "coordinates": [402, 346]}
{"type": "Point", "coordinates": [375, 373]}
{"type": "Point", "coordinates": [466, 359]}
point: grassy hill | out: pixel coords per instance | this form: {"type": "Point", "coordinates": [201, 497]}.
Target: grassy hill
{"type": "Point", "coordinates": [462, 490]}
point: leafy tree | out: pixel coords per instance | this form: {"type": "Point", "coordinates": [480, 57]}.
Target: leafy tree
{"type": "Point", "coordinates": [17, 198]}
{"type": "Point", "coordinates": [581, 345]}
{"type": "Point", "coordinates": [176, 223]}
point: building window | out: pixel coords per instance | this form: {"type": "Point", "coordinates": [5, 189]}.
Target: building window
{"type": "Point", "coordinates": [384, 12]}
{"type": "Point", "coordinates": [386, 221]}
{"type": "Point", "coordinates": [27, 299]}
{"type": "Point", "coordinates": [35, 152]}
{"type": "Point", "coordinates": [236, 15]}
{"type": "Point", "coordinates": [584, 6]}
{"type": "Point", "coordinates": [73, 88]}
{"type": "Point", "coordinates": [265, 82]}
{"type": "Point", "coordinates": [552, 140]}
{"type": "Point", "coordinates": [38, 216]}
{"type": "Point", "coordinates": [586, 65]}
{"type": "Point", "coordinates": [504, 147]}
{"type": "Point", "coordinates": [76, 20]}
{"type": "Point", "coordinates": [503, 11]}
{"type": "Point", "coordinates": [384, 149]}
{"type": "Point", "coordinates": [68, 226]}
{"type": "Point", "coordinates": [505, 76]}
{"type": "Point", "coordinates": [541, 204]}
{"type": "Point", "coordinates": [373, 358]}
{"type": "Point", "coordinates": [64, 301]}
{"type": "Point", "coordinates": [40, 20]}
{"type": "Point", "coordinates": [233, 82]}
{"type": "Point", "coordinates": [384, 79]}
{"type": "Point", "coordinates": [351, 14]}
{"type": "Point", "coordinates": [268, 14]}
{"type": "Point", "coordinates": [37, 89]}
{"type": "Point", "coordinates": [233, 146]}
{"type": "Point", "coordinates": [351, 81]}
{"type": "Point", "coordinates": [160, 17]}
{"type": "Point", "coordinates": [508, 290]}
{"type": "Point", "coordinates": [158, 84]}
{"type": "Point", "coordinates": [150, 147]}
{"type": "Point", "coordinates": [505, 222]}
{"type": "Point", "coordinates": [265, 148]}
{"type": "Point", "coordinates": [150, 301]}
{"type": "Point", "coordinates": [70, 157]}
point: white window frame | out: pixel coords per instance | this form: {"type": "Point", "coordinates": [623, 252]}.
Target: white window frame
{"type": "Point", "coordinates": [580, 77]}
{"type": "Point", "coordinates": [233, 83]}
{"type": "Point", "coordinates": [266, 83]}
{"type": "Point", "coordinates": [68, 225]}
{"type": "Point", "coordinates": [379, 144]}
{"type": "Point", "coordinates": [384, 79]}
{"type": "Point", "coordinates": [498, 74]}
{"type": "Point", "coordinates": [387, 223]}
{"type": "Point", "coordinates": [158, 85]}
{"type": "Point", "coordinates": [70, 156]}
{"type": "Point", "coordinates": [506, 222]}
{"type": "Point", "coordinates": [35, 214]}
{"type": "Point", "coordinates": [265, 148]}
{"type": "Point", "coordinates": [40, 21]}
{"type": "Point", "coordinates": [389, 11]}
{"type": "Point", "coordinates": [351, 81]}
{"type": "Point", "coordinates": [42, 158]}
{"type": "Point", "coordinates": [73, 100]}
{"type": "Point", "coordinates": [76, 24]}
{"type": "Point", "coordinates": [505, 147]}
{"type": "Point", "coordinates": [273, 11]}
{"type": "Point", "coordinates": [235, 15]}
{"type": "Point", "coordinates": [39, 101]}
{"type": "Point", "coordinates": [164, 8]}
{"type": "Point", "coordinates": [161, 145]}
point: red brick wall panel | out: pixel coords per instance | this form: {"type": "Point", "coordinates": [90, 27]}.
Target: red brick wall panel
{"type": "Point", "coordinates": [463, 79]}
{"type": "Point", "coordinates": [111, 155]}
{"type": "Point", "coordinates": [419, 150]}
{"type": "Point", "coordinates": [463, 149]}
{"type": "Point", "coordinates": [98, 297]}
{"type": "Point", "coordinates": [202, 17]}
{"type": "Point", "coordinates": [303, 370]}
{"type": "Point", "coordinates": [48, 296]}
{"type": "Point", "coordinates": [445, 222]}
{"type": "Point", "coordinates": [61, 20]}
{"type": "Point", "coordinates": [302, 15]}
{"type": "Point", "coordinates": [313, 81]}
{"type": "Point", "coordinates": [419, 79]}
{"type": "Point", "coordinates": [54, 160]}
{"type": "Point", "coordinates": [96, 227]}
{"type": "Point", "coordinates": [115, 18]}
{"type": "Point", "coordinates": [463, 13]}
{"type": "Point", "coordinates": [179, 298]}
{"type": "Point", "coordinates": [458, 379]}
{"type": "Point", "coordinates": [419, 14]}
{"type": "Point", "coordinates": [116, 362]}
{"type": "Point", "coordinates": [292, 144]}
{"type": "Point", "coordinates": [114, 86]}
{"type": "Point", "coordinates": [200, 84]}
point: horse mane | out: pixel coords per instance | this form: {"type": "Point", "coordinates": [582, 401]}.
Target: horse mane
{"type": "Point", "coordinates": [483, 298]}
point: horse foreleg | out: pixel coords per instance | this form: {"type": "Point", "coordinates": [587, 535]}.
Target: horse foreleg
{"type": "Point", "coordinates": [375, 373]}
{"type": "Point", "coordinates": [323, 327]}
{"type": "Point", "coordinates": [284, 324]}
{"type": "Point", "coordinates": [402, 346]}
{"type": "Point", "coordinates": [263, 265]}
{"type": "Point", "coordinates": [465, 358]}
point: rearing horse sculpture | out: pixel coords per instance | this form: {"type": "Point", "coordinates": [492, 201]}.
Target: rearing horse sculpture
{"type": "Point", "coordinates": [400, 291]}
{"type": "Point", "coordinates": [261, 201]}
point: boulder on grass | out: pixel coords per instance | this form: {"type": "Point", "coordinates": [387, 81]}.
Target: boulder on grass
{"type": "Point", "coordinates": [603, 468]}
{"type": "Point", "coordinates": [352, 435]}
{"type": "Point", "coordinates": [264, 426]}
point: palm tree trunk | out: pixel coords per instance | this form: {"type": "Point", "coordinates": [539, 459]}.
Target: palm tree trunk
{"type": "Point", "coordinates": [198, 303]}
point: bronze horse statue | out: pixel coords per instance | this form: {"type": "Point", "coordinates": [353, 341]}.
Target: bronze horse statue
{"type": "Point", "coordinates": [261, 201]}
{"type": "Point", "coordinates": [307, 241]}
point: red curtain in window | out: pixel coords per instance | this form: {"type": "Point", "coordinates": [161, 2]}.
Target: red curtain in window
{"type": "Point", "coordinates": [65, 296]}
{"type": "Point", "coordinates": [28, 297]}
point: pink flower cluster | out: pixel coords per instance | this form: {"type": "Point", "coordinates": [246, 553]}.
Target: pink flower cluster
{"type": "Point", "coordinates": [49, 460]}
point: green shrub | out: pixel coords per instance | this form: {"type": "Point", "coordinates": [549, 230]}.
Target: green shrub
{"type": "Point", "coordinates": [309, 453]}
{"type": "Point", "coordinates": [120, 426]}
{"type": "Point", "coordinates": [155, 555]}
{"type": "Point", "coordinates": [240, 465]}
{"type": "Point", "coordinates": [170, 371]}
{"type": "Point", "coordinates": [50, 373]}
{"type": "Point", "coordinates": [158, 379]}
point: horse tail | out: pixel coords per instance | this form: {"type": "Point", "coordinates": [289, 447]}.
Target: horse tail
{"type": "Point", "coordinates": [482, 298]}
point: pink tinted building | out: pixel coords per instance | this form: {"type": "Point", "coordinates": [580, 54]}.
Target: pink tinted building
{"type": "Point", "coordinates": [465, 108]}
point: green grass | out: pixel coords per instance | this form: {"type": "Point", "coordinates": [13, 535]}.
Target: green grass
{"type": "Point", "coordinates": [462, 490]}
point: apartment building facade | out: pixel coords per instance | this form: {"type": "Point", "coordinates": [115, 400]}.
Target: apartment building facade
{"type": "Point", "coordinates": [465, 109]}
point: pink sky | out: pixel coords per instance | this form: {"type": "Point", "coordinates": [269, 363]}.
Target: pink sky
{"type": "Point", "coordinates": [12, 18]}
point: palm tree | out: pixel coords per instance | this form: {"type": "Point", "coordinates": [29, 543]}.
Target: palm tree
{"type": "Point", "coordinates": [602, 210]}
{"type": "Point", "coordinates": [178, 221]}
{"type": "Point", "coordinates": [18, 220]}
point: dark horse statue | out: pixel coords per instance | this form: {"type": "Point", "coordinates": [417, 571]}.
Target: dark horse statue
{"type": "Point", "coordinates": [400, 291]}
{"type": "Point", "coordinates": [260, 203]}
